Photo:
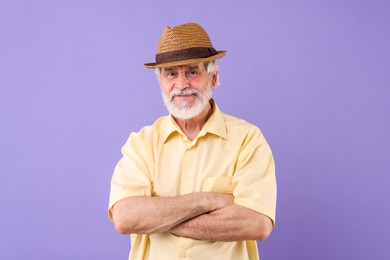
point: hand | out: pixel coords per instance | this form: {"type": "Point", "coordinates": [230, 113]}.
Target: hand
{"type": "Point", "coordinates": [219, 200]}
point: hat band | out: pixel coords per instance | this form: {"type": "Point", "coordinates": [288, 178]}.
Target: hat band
{"type": "Point", "coordinates": [185, 54]}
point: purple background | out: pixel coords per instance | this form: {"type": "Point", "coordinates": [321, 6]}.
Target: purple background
{"type": "Point", "coordinates": [314, 75]}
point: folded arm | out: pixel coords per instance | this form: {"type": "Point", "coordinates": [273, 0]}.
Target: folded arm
{"type": "Point", "coordinates": [149, 215]}
{"type": "Point", "coordinates": [231, 223]}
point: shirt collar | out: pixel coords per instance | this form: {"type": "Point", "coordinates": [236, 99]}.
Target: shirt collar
{"type": "Point", "coordinates": [214, 125]}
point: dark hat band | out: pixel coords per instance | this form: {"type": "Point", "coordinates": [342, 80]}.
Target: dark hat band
{"type": "Point", "coordinates": [185, 54]}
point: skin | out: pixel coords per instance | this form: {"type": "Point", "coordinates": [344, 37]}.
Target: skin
{"type": "Point", "coordinates": [179, 78]}
{"type": "Point", "coordinates": [150, 215]}
{"type": "Point", "coordinates": [204, 215]}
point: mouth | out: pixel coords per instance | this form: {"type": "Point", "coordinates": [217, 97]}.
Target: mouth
{"type": "Point", "coordinates": [184, 95]}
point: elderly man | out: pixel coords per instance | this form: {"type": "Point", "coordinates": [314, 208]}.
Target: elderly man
{"type": "Point", "coordinates": [198, 183]}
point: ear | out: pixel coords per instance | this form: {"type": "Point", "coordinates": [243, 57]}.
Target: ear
{"type": "Point", "coordinates": [214, 80]}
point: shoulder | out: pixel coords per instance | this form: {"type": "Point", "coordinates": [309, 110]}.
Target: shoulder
{"type": "Point", "coordinates": [238, 126]}
{"type": "Point", "coordinates": [150, 132]}
{"type": "Point", "coordinates": [248, 137]}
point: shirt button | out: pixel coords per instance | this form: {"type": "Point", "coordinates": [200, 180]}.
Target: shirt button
{"type": "Point", "coordinates": [188, 176]}
{"type": "Point", "coordinates": [184, 254]}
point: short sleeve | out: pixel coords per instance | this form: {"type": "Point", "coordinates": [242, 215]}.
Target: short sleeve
{"type": "Point", "coordinates": [254, 179]}
{"type": "Point", "coordinates": [131, 175]}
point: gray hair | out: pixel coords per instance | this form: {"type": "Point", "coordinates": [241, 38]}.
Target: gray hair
{"type": "Point", "coordinates": [210, 66]}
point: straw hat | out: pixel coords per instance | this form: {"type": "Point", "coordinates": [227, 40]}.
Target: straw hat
{"type": "Point", "coordinates": [184, 44]}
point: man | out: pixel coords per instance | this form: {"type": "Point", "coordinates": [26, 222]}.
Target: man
{"type": "Point", "coordinates": [197, 184]}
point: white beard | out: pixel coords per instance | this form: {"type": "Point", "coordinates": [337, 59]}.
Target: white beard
{"type": "Point", "coordinates": [183, 111]}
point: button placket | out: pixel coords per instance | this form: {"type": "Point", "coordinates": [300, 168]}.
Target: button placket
{"type": "Point", "coordinates": [184, 247]}
{"type": "Point", "coordinates": [187, 181]}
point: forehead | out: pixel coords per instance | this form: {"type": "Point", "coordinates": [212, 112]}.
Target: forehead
{"type": "Point", "coordinates": [183, 67]}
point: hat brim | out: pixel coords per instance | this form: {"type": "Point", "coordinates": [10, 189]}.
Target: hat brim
{"type": "Point", "coordinates": [219, 55]}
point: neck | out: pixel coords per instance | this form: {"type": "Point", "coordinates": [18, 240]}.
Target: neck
{"type": "Point", "coordinates": [191, 127]}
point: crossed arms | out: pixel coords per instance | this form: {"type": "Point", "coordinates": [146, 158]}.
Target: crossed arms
{"type": "Point", "coordinates": [204, 215]}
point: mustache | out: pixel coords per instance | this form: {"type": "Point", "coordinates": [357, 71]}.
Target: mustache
{"type": "Point", "coordinates": [176, 92]}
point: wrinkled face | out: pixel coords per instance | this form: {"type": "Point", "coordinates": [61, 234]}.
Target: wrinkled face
{"type": "Point", "coordinates": [186, 90]}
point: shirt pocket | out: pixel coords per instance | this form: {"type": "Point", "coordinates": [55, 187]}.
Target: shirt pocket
{"type": "Point", "coordinates": [218, 184]}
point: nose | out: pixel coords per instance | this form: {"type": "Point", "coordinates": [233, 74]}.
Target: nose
{"type": "Point", "coordinates": [182, 81]}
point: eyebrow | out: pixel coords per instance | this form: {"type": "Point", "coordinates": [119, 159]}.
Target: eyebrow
{"type": "Point", "coordinates": [167, 69]}
{"type": "Point", "coordinates": [191, 67]}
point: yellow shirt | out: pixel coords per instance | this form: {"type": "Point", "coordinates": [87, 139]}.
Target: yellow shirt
{"type": "Point", "coordinates": [229, 155]}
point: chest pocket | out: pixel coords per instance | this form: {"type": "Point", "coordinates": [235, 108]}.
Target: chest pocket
{"type": "Point", "coordinates": [218, 184]}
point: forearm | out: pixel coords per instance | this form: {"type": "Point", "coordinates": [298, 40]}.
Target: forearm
{"type": "Point", "coordinates": [232, 223]}
{"type": "Point", "coordinates": [148, 215]}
